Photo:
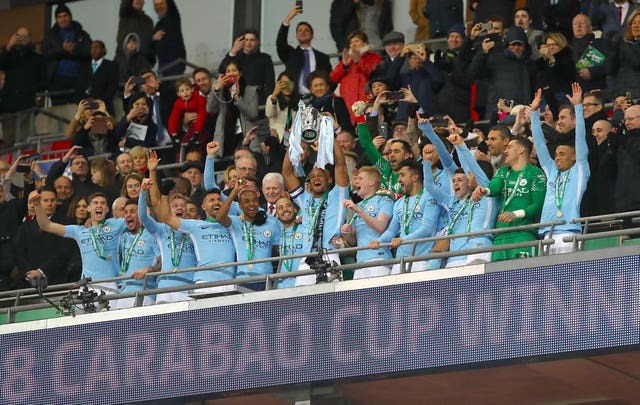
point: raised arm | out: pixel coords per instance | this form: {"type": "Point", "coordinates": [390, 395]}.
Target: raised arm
{"type": "Point", "coordinates": [43, 220]}
{"type": "Point", "coordinates": [447, 162]}
{"type": "Point", "coordinates": [160, 197]}
{"type": "Point", "coordinates": [582, 150]}
{"type": "Point", "coordinates": [467, 161]}
{"type": "Point", "coordinates": [430, 186]}
{"type": "Point", "coordinates": [223, 213]}
{"type": "Point", "coordinates": [341, 174]}
{"type": "Point", "coordinates": [538, 136]}
{"type": "Point", "coordinates": [209, 166]}
{"type": "Point", "coordinates": [290, 179]}
{"type": "Point", "coordinates": [149, 223]}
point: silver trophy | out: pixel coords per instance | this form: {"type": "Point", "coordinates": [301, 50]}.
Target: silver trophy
{"type": "Point", "coordinates": [311, 119]}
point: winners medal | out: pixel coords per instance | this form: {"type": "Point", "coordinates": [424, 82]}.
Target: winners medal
{"type": "Point", "coordinates": [559, 214]}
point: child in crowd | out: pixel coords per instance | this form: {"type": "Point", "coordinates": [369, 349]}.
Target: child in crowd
{"type": "Point", "coordinates": [188, 102]}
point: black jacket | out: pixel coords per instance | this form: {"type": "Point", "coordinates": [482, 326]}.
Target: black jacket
{"type": "Point", "coordinates": [102, 84]}
{"type": "Point", "coordinates": [293, 58]}
{"type": "Point", "coordinates": [53, 51]}
{"type": "Point", "coordinates": [24, 77]}
{"type": "Point", "coordinates": [627, 195]}
{"type": "Point", "coordinates": [171, 46]}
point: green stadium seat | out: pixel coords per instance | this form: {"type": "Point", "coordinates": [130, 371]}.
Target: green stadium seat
{"type": "Point", "coordinates": [601, 243]}
{"type": "Point", "coordinates": [37, 314]}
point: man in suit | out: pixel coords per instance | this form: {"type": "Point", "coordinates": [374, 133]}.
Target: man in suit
{"type": "Point", "coordinates": [304, 59]}
{"type": "Point", "coordinates": [100, 76]}
{"type": "Point", "coordinates": [161, 106]}
{"type": "Point", "coordinates": [611, 17]}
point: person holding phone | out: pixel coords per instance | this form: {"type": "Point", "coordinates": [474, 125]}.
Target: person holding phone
{"type": "Point", "coordinates": [258, 66]}
{"type": "Point", "coordinates": [303, 59]}
{"type": "Point", "coordinates": [236, 103]}
{"type": "Point", "coordinates": [282, 105]}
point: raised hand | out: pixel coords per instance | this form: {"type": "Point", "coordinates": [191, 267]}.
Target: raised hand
{"type": "Point", "coordinates": [576, 97]}
{"type": "Point", "coordinates": [146, 185]}
{"type": "Point", "coordinates": [535, 103]}
{"type": "Point", "coordinates": [152, 160]}
{"type": "Point", "coordinates": [212, 148]}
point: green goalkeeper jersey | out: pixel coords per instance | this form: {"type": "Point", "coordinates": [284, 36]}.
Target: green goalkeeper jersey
{"type": "Point", "coordinates": [389, 178]}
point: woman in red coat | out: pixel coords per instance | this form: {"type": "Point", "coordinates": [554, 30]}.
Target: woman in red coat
{"type": "Point", "coordinates": [353, 73]}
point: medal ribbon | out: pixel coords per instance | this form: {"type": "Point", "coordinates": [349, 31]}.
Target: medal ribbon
{"type": "Point", "coordinates": [561, 185]}
{"type": "Point", "coordinates": [362, 204]}
{"type": "Point", "coordinates": [509, 195]}
{"type": "Point", "coordinates": [288, 250]}
{"type": "Point", "coordinates": [314, 213]}
{"type": "Point", "coordinates": [468, 204]}
{"type": "Point", "coordinates": [126, 259]}
{"type": "Point", "coordinates": [98, 242]}
{"type": "Point", "coordinates": [249, 239]}
{"type": "Point", "coordinates": [175, 259]}
{"type": "Point", "coordinates": [407, 216]}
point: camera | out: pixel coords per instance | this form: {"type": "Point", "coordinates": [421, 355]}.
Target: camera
{"type": "Point", "coordinates": [383, 130]}
{"type": "Point", "coordinates": [486, 26]}
{"type": "Point", "coordinates": [231, 78]}
{"type": "Point", "coordinates": [507, 103]}
{"type": "Point", "coordinates": [439, 122]}
{"type": "Point", "coordinates": [40, 282]}
{"type": "Point", "coordinates": [262, 133]}
{"type": "Point", "coordinates": [139, 80]}
{"type": "Point", "coordinates": [483, 147]}
{"type": "Point", "coordinates": [394, 95]}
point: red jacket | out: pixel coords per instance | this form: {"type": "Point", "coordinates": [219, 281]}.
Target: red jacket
{"type": "Point", "coordinates": [197, 104]}
{"type": "Point", "coordinates": [353, 80]}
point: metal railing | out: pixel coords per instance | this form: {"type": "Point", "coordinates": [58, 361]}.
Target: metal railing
{"type": "Point", "coordinates": [29, 294]}
{"type": "Point", "coordinates": [608, 221]}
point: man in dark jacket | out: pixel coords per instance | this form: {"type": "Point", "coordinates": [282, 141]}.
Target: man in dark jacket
{"type": "Point", "coordinates": [585, 47]}
{"type": "Point", "coordinates": [100, 77]}
{"type": "Point", "coordinates": [627, 195]}
{"type": "Point", "coordinates": [80, 173]}
{"type": "Point", "coordinates": [65, 47]}
{"type": "Point", "coordinates": [509, 71]}
{"type": "Point", "coordinates": [257, 66]}
{"type": "Point", "coordinates": [298, 61]}
{"type": "Point", "coordinates": [41, 253]}
{"type": "Point", "coordinates": [167, 41]}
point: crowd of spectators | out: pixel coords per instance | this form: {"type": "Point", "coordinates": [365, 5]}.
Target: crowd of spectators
{"type": "Point", "coordinates": [408, 160]}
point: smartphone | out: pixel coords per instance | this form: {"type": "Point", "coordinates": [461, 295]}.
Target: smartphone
{"type": "Point", "coordinates": [486, 26]}
{"type": "Point", "coordinates": [299, 5]}
{"type": "Point", "coordinates": [395, 95]}
{"type": "Point", "coordinates": [383, 130]}
{"type": "Point", "coordinates": [231, 78]}
{"type": "Point", "coordinates": [99, 126]}
{"type": "Point", "coordinates": [32, 158]}
{"type": "Point", "coordinates": [507, 103]}
{"type": "Point", "coordinates": [262, 133]}
{"type": "Point", "coordinates": [139, 80]}
{"type": "Point", "coordinates": [439, 122]}
{"type": "Point", "coordinates": [92, 105]}
{"type": "Point", "coordinates": [483, 147]}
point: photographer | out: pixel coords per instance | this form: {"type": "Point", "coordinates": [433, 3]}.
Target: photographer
{"type": "Point", "coordinates": [137, 128]}
{"type": "Point", "coordinates": [92, 128]}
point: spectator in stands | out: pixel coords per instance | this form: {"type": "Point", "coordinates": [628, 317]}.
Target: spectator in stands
{"type": "Point", "coordinates": [234, 101]}
{"type": "Point", "coordinates": [558, 15]}
{"type": "Point", "coordinates": [93, 128]}
{"type": "Point", "coordinates": [567, 174]}
{"type": "Point", "coordinates": [393, 44]}
{"type": "Point", "coordinates": [103, 173]}
{"type": "Point", "coordinates": [11, 212]}
{"type": "Point", "coordinates": [321, 207]}
{"type": "Point", "coordinates": [25, 75]}
{"type": "Point", "coordinates": [370, 219]}
{"type": "Point", "coordinates": [255, 235]}
{"type": "Point", "coordinates": [299, 61]}
{"type": "Point", "coordinates": [229, 177]}
{"type": "Point", "coordinates": [100, 77]}
{"type": "Point", "coordinates": [627, 194]}
{"type": "Point", "coordinates": [415, 216]}
{"type": "Point", "coordinates": [176, 247]}
{"type": "Point", "coordinates": [590, 53]}
{"type": "Point", "coordinates": [281, 106]}
{"type": "Point", "coordinates": [455, 95]}
{"type": "Point", "coordinates": [556, 69]}
{"type": "Point", "coordinates": [65, 47]}
{"type": "Point", "coordinates": [117, 208]}
{"type": "Point", "coordinates": [124, 166]}
{"type": "Point", "coordinates": [443, 15]}
{"type": "Point", "coordinates": [193, 171]}
{"type": "Point", "coordinates": [418, 18]}
{"type": "Point", "coordinates": [257, 65]}
{"type": "Point", "coordinates": [80, 173]}
{"type": "Point", "coordinates": [134, 20]}
{"type": "Point", "coordinates": [423, 78]}
{"type": "Point", "coordinates": [522, 188]}
{"type": "Point", "coordinates": [130, 61]}
{"type": "Point", "coordinates": [487, 9]}
{"type": "Point", "coordinates": [137, 128]}
{"type": "Point", "coordinates": [352, 74]}
{"type": "Point", "coordinates": [598, 198]}
{"type": "Point", "coordinates": [623, 56]}
{"type": "Point", "coordinates": [323, 99]}
{"type": "Point", "coordinates": [188, 101]}
{"type": "Point", "coordinates": [42, 254]}
{"type": "Point", "coordinates": [612, 16]}
{"type": "Point", "coordinates": [98, 242]}
{"type": "Point", "coordinates": [131, 186]}
{"type": "Point", "coordinates": [522, 19]}
{"type": "Point", "coordinates": [212, 241]}
{"type": "Point", "coordinates": [159, 110]}
{"type": "Point", "coordinates": [139, 254]}
{"type": "Point", "coordinates": [167, 42]}
{"type": "Point", "coordinates": [398, 152]}
{"type": "Point", "coordinates": [594, 109]}
{"type": "Point", "coordinates": [64, 189]}
{"type": "Point", "coordinates": [77, 210]}
{"type": "Point", "coordinates": [509, 71]}
{"type": "Point", "coordinates": [273, 190]}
